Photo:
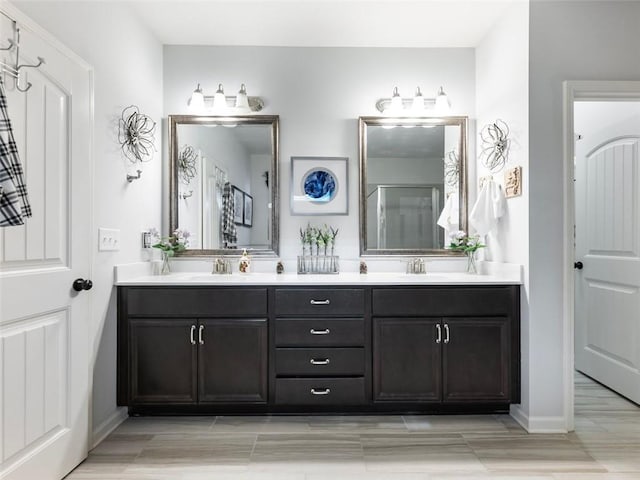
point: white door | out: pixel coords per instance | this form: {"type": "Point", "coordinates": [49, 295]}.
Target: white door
{"type": "Point", "coordinates": [607, 297]}
{"type": "Point", "coordinates": [44, 323]}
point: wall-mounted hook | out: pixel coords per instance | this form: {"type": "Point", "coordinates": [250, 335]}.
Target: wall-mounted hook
{"type": "Point", "coordinates": [24, 65]}
{"type": "Point", "coordinates": [184, 196]}
{"type": "Point", "coordinates": [36, 65]}
{"type": "Point", "coordinates": [13, 69]}
{"type": "Point", "coordinates": [10, 47]}
{"type": "Point", "coordinates": [131, 178]}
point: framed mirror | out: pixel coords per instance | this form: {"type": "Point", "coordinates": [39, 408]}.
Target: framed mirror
{"type": "Point", "coordinates": [413, 186]}
{"type": "Point", "coordinates": [223, 183]}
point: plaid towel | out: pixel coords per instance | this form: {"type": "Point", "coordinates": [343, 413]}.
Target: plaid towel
{"type": "Point", "coordinates": [229, 233]}
{"type": "Point", "coordinates": [14, 204]}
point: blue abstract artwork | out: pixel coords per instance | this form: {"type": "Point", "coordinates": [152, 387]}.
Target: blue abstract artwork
{"type": "Point", "coordinates": [320, 186]}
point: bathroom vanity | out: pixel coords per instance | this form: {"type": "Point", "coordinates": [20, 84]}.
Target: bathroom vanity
{"type": "Point", "coordinates": [294, 344]}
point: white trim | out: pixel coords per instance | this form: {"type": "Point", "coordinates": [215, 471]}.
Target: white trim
{"type": "Point", "coordinates": [547, 425]}
{"type": "Point", "coordinates": [538, 424]}
{"type": "Point", "coordinates": [574, 91]}
{"type": "Point", "coordinates": [520, 416]}
{"type": "Point", "coordinates": [108, 426]}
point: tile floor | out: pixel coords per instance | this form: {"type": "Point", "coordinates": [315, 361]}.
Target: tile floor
{"type": "Point", "coordinates": [605, 446]}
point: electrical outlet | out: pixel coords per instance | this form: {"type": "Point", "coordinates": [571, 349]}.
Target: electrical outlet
{"type": "Point", "coordinates": [108, 239]}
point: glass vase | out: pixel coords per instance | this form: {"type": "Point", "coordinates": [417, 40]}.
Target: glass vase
{"type": "Point", "coordinates": [165, 268]}
{"type": "Point", "coordinates": [472, 267]}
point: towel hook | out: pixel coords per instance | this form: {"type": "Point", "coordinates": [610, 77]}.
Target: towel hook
{"type": "Point", "coordinates": [14, 70]}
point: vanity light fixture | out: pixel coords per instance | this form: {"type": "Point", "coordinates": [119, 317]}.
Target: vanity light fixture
{"type": "Point", "coordinates": [219, 100]}
{"type": "Point", "coordinates": [219, 104]}
{"type": "Point", "coordinates": [197, 99]}
{"type": "Point", "coordinates": [416, 106]}
{"type": "Point", "coordinates": [396, 102]}
{"type": "Point", "coordinates": [442, 104]}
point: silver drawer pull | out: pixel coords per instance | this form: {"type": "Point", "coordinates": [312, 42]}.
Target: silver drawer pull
{"type": "Point", "coordinates": [200, 339]}
{"type": "Point", "coordinates": [191, 336]}
{"type": "Point", "coordinates": [313, 331]}
{"type": "Point", "coordinates": [320, 302]}
{"type": "Point", "coordinates": [439, 333]}
{"type": "Point", "coordinates": [325, 361]}
{"type": "Point", "coordinates": [446, 332]}
{"type": "Point", "coordinates": [326, 391]}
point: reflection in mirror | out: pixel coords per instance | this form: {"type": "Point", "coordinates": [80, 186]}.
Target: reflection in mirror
{"type": "Point", "coordinates": [413, 190]}
{"type": "Point", "coordinates": [224, 183]}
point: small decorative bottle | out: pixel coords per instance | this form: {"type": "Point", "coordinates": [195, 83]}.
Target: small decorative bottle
{"type": "Point", "coordinates": [244, 265]}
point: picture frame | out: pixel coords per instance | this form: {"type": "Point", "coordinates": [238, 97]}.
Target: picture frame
{"type": "Point", "coordinates": [319, 186]}
{"type": "Point", "coordinates": [248, 210]}
{"type": "Point", "coordinates": [238, 205]}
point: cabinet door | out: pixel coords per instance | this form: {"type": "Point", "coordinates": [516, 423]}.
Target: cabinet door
{"type": "Point", "coordinates": [407, 360]}
{"type": "Point", "coordinates": [476, 360]}
{"type": "Point", "coordinates": [232, 361]}
{"type": "Point", "coordinates": [162, 361]}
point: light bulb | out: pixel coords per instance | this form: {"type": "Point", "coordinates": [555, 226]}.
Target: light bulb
{"type": "Point", "coordinates": [442, 105]}
{"type": "Point", "coordinates": [242, 101]}
{"type": "Point", "coordinates": [219, 100]}
{"type": "Point", "coordinates": [417, 107]}
{"type": "Point", "coordinates": [196, 102]}
{"type": "Point", "coordinates": [396, 102]}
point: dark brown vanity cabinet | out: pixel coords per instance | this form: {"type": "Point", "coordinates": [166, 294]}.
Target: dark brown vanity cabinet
{"type": "Point", "coordinates": [214, 353]}
{"type": "Point", "coordinates": [446, 345]}
{"type": "Point", "coordinates": [320, 354]}
{"type": "Point", "coordinates": [297, 349]}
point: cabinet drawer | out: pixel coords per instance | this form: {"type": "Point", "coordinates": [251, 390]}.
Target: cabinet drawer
{"type": "Point", "coordinates": [320, 391]}
{"type": "Point", "coordinates": [319, 301]}
{"type": "Point", "coordinates": [436, 301]}
{"type": "Point", "coordinates": [320, 362]}
{"type": "Point", "coordinates": [335, 332]}
{"type": "Point", "coordinates": [202, 302]}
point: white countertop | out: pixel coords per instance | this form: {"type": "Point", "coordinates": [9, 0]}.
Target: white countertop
{"type": "Point", "coordinates": [289, 279]}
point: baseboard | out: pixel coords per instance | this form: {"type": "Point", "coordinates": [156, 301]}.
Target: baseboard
{"type": "Point", "coordinates": [538, 424]}
{"type": "Point", "coordinates": [108, 426]}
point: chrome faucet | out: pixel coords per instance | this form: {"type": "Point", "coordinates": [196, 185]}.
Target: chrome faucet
{"type": "Point", "coordinates": [221, 266]}
{"type": "Point", "coordinates": [416, 265]}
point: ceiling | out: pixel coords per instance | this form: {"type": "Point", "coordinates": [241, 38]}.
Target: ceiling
{"type": "Point", "coordinates": [321, 23]}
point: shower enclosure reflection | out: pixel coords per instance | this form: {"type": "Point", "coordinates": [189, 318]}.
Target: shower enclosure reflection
{"type": "Point", "coordinates": [404, 217]}
{"type": "Point", "coordinates": [411, 170]}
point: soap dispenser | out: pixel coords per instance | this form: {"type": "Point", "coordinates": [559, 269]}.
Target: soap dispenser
{"type": "Point", "coordinates": [244, 265]}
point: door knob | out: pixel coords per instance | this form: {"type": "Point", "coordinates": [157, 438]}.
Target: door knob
{"type": "Point", "coordinates": [578, 265]}
{"type": "Point", "coordinates": [80, 284]}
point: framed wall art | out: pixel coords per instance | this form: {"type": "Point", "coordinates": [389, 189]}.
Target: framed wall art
{"type": "Point", "coordinates": [319, 186]}
{"type": "Point", "coordinates": [248, 210]}
{"type": "Point", "coordinates": [238, 205]}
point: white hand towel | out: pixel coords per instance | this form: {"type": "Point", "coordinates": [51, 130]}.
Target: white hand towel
{"type": "Point", "coordinates": [450, 217]}
{"type": "Point", "coordinates": [488, 209]}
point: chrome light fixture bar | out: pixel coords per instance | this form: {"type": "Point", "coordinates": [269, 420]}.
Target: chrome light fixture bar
{"type": "Point", "coordinates": [222, 104]}
{"type": "Point", "coordinates": [416, 105]}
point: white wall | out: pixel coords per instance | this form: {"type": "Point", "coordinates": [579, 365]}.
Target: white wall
{"type": "Point", "coordinates": [502, 82]}
{"type": "Point", "coordinates": [569, 40]}
{"type": "Point", "coordinates": [127, 63]}
{"type": "Point", "coordinates": [319, 94]}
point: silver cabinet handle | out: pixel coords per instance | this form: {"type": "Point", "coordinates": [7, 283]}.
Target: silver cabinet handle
{"type": "Point", "coordinates": [313, 331]}
{"type": "Point", "coordinates": [326, 391]}
{"type": "Point", "coordinates": [200, 339]}
{"type": "Point", "coordinates": [446, 333]}
{"type": "Point", "coordinates": [439, 332]}
{"type": "Point", "coordinates": [191, 336]}
{"type": "Point", "coordinates": [320, 302]}
{"type": "Point", "coordinates": [313, 361]}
